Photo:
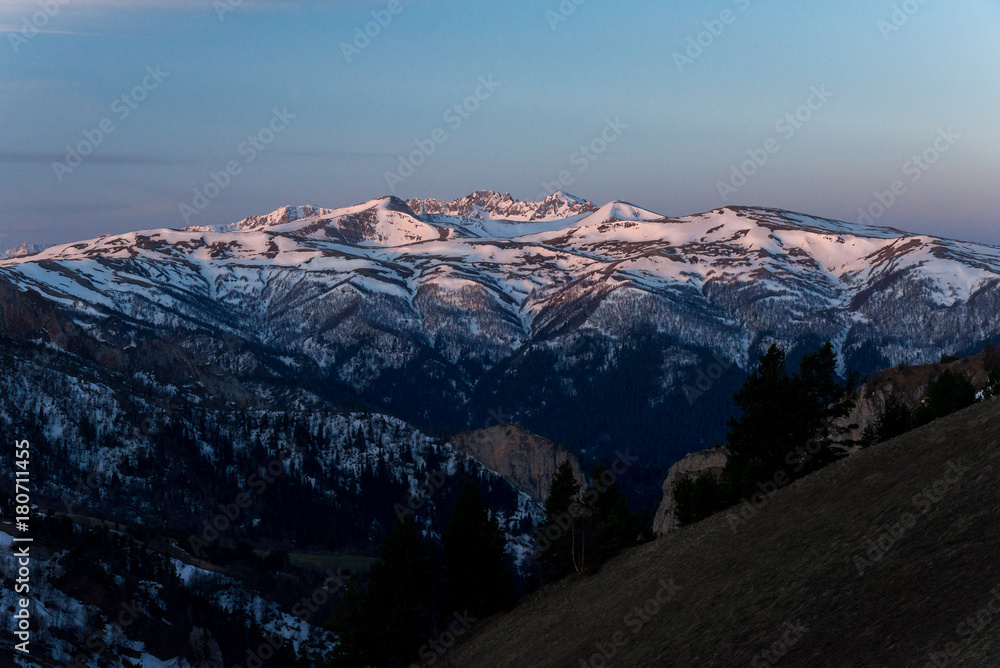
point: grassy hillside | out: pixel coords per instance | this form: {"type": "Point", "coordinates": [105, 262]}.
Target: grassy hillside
{"type": "Point", "coordinates": [815, 577]}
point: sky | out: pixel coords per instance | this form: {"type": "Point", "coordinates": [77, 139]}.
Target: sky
{"type": "Point", "coordinates": [125, 115]}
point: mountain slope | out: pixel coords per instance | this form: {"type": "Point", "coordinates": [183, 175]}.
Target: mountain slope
{"type": "Point", "coordinates": [112, 423]}
{"type": "Point", "coordinates": [443, 313]}
{"type": "Point", "coordinates": [884, 559]}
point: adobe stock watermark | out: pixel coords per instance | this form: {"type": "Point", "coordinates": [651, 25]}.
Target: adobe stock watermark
{"type": "Point", "coordinates": [230, 514]}
{"type": "Point", "coordinates": [85, 488]}
{"type": "Point", "coordinates": [581, 159]}
{"type": "Point", "coordinates": [634, 621]}
{"type": "Point", "coordinates": [248, 150]}
{"type": "Point", "coordinates": [121, 108]}
{"type": "Point", "coordinates": [35, 23]}
{"type": "Point", "coordinates": [713, 30]}
{"type": "Point", "coordinates": [458, 625]}
{"type": "Point", "coordinates": [424, 493]}
{"type": "Point", "coordinates": [787, 127]}
{"type": "Point", "coordinates": [363, 35]}
{"type": "Point", "coordinates": [705, 378]}
{"type": "Point", "coordinates": [900, 16]}
{"type": "Point", "coordinates": [309, 605]}
{"type": "Point", "coordinates": [223, 7]}
{"type": "Point", "coordinates": [881, 542]}
{"type": "Point", "coordinates": [967, 630]}
{"type": "Point", "coordinates": [562, 13]}
{"type": "Point", "coordinates": [914, 168]}
{"type": "Point", "coordinates": [796, 460]}
{"type": "Point", "coordinates": [304, 609]}
{"type": "Point", "coordinates": [454, 117]}
{"type": "Point", "coordinates": [258, 657]}
{"type": "Point", "coordinates": [128, 614]}
{"type": "Point", "coordinates": [792, 634]}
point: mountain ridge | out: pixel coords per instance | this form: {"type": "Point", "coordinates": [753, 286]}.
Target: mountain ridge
{"type": "Point", "coordinates": [444, 312]}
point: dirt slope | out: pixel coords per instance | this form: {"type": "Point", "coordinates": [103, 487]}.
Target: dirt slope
{"type": "Point", "coordinates": [803, 579]}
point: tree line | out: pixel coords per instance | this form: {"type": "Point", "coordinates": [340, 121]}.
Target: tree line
{"type": "Point", "coordinates": [421, 597]}
{"type": "Point", "coordinates": [792, 424]}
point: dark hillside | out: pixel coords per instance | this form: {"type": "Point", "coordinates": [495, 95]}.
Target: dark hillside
{"type": "Point", "coordinates": [889, 558]}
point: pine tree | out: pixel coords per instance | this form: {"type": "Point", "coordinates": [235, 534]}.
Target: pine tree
{"type": "Point", "coordinates": [479, 576]}
{"type": "Point", "coordinates": [760, 437]}
{"type": "Point", "coordinates": [992, 388]}
{"type": "Point", "coordinates": [786, 423]}
{"type": "Point", "coordinates": [554, 538]}
{"type": "Point", "coordinates": [615, 527]}
{"type": "Point", "coordinates": [947, 393]}
{"type": "Point", "coordinates": [822, 400]}
{"type": "Point", "coordinates": [697, 498]}
{"type": "Point", "coordinates": [386, 624]}
{"type": "Point", "coordinates": [896, 418]}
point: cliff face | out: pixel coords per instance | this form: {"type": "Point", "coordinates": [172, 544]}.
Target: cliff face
{"type": "Point", "coordinates": [909, 384]}
{"type": "Point", "coordinates": [527, 460]}
{"type": "Point", "coordinates": [695, 464]}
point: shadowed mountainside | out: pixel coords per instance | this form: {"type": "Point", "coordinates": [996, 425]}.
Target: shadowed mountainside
{"type": "Point", "coordinates": [887, 558]}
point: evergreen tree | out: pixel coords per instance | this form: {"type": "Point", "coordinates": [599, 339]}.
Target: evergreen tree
{"type": "Point", "coordinates": [947, 393]}
{"type": "Point", "coordinates": [822, 400]}
{"type": "Point", "coordinates": [554, 538]}
{"type": "Point", "coordinates": [615, 527]}
{"type": "Point", "coordinates": [787, 423]}
{"type": "Point", "coordinates": [760, 437]}
{"type": "Point", "coordinates": [479, 576]}
{"type": "Point", "coordinates": [896, 418]}
{"type": "Point", "coordinates": [992, 388]}
{"type": "Point", "coordinates": [698, 498]}
{"type": "Point", "coordinates": [386, 624]}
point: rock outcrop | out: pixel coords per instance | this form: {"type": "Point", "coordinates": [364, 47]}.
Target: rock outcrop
{"type": "Point", "coordinates": [527, 460]}
{"type": "Point", "coordinates": [909, 384]}
{"type": "Point", "coordinates": [696, 463]}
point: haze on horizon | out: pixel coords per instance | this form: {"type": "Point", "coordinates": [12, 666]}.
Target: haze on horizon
{"type": "Point", "coordinates": [290, 102]}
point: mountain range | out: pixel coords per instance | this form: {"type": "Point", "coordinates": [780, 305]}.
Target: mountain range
{"type": "Point", "coordinates": [593, 325]}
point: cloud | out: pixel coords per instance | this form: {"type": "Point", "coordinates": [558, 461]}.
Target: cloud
{"type": "Point", "coordinates": [325, 154]}
{"type": "Point", "coordinates": [23, 6]}
{"type": "Point", "coordinates": [32, 157]}
{"type": "Point", "coordinates": [43, 31]}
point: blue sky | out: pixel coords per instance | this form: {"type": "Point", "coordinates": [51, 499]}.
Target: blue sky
{"type": "Point", "coordinates": [266, 89]}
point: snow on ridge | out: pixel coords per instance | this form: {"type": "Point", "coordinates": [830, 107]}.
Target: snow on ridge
{"type": "Point", "coordinates": [621, 211]}
{"type": "Point", "coordinates": [491, 205]}
{"type": "Point", "coordinates": [380, 242]}
{"type": "Point", "coordinates": [23, 250]}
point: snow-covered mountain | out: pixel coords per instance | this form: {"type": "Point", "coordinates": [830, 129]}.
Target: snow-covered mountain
{"type": "Point", "coordinates": [22, 250]}
{"type": "Point", "coordinates": [490, 205]}
{"type": "Point", "coordinates": [442, 312]}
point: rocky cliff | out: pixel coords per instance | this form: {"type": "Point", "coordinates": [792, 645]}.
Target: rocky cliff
{"type": "Point", "coordinates": [693, 465]}
{"type": "Point", "coordinates": [909, 384]}
{"type": "Point", "coordinates": [527, 460]}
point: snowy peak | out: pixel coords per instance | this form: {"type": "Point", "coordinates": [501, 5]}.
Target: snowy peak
{"type": "Point", "coordinates": [23, 250]}
{"type": "Point", "coordinates": [386, 221]}
{"type": "Point", "coordinates": [490, 205]}
{"type": "Point", "coordinates": [282, 216]}
{"type": "Point", "coordinates": [620, 211]}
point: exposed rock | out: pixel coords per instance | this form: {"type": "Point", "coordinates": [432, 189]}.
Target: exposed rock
{"type": "Point", "coordinates": [202, 650]}
{"type": "Point", "coordinates": [23, 250]}
{"type": "Point", "coordinates": [527, 460]}
{"type": "Point", "coordinates": [909, 384]}
{"type": "Point", "coordinates": [696, 463]}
